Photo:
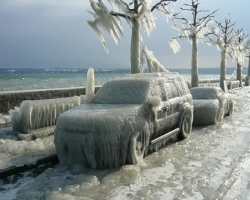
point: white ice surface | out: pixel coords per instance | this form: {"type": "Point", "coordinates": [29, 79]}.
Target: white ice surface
{"type": "Point", "coordinates": [18, 153]}
{"type": "Point", "coordinates": [7, 118]}
{"type": "Point", "coordinates": [212, 164]}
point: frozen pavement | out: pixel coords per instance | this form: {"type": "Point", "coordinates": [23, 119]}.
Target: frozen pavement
{"type": "Point", "coordinates": [213, 163]}
{"type": "Point", "coordinates": [16, 156]}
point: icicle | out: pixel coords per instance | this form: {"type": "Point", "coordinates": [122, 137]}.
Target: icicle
{"type": "Point", "coordinates": [41, 113]}
{"type": "Point", "coordinates": [174, 45]}
{"type": "Point", "coordinates": [98, 33]}
{"type": "Point", "coordinates": [105, 20]}
{"type": "Point", "coordinates": [146, 18]}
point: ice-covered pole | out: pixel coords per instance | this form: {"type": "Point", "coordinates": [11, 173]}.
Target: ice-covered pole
{"type": "Point", "coordinates": [90, 87]}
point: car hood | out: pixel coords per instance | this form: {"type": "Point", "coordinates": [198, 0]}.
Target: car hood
{"type": "Point", "coordinates": [100, 118]}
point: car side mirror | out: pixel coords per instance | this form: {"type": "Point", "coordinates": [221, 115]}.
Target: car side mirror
{"type": "Point", "coordinates": [155, 102]}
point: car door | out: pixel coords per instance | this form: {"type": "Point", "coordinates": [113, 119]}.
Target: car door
{"type": "Point", "coordinates": [168, 117]}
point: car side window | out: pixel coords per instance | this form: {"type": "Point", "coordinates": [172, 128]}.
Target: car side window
{"type": "Point", "coordinates": [172, 90]}
{"type": "Point", "coordinates": [157, 91]}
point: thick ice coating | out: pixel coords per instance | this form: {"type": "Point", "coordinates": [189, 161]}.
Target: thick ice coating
{"type": "Point", "coordinates": [211, 104]}
{"type": "Point", "coordinates": [117, 127]}
{"type": "Point", "coordinates": [90, 87]}
{"type": "Point", "coordinates": [41, 113]}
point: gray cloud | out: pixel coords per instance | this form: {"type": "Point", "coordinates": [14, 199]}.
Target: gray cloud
{"type": "Point", "coordinates": [52, 33]}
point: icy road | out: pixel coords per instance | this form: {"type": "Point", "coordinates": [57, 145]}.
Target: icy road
{"type": "Point", "coordinates": [213, 163]}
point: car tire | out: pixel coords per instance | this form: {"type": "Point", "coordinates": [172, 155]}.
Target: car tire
{"type": "Point", "coordinates": [186, 124]}
{"type": "Point", "coordinates": [136, 148]}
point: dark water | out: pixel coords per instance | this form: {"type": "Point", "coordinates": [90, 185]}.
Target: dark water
{"type": "Point", "coordinates": [33, 79]}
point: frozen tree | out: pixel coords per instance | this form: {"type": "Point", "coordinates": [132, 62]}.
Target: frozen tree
{"type": "Point", "coordinates": [137, 13]}
{"type": "Point", "coordinates": [247, 81]}
{"type": "Point", "coordinates": [153, 64]}
{"type": "Point", "coordinates": [241, 47]}
{"type": "Point", "coordinates": [223, 37]}
{"type": "Point", "coordinates": [194, 32]}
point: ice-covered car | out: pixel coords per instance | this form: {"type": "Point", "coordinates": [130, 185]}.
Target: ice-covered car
{"type": "Point", "coordinates": [211, 104]}
{"type": "Point", "coordinates": [128, 118]}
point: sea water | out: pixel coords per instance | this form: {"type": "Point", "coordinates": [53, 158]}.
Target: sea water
{"type": "Point", "coordinates": [34, 79]}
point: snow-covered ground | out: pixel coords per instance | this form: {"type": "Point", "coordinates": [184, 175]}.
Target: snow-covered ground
{"type": "Point", "coordinates": [213, 163]}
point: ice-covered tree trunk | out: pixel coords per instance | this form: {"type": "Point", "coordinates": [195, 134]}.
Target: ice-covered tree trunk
{"type": "Point", "coordinates": [247, 82]}
{"type": "Point", "coordinates": [248, 74]}
{"type": "Point", "coordinates": [135, 47]}
{"type": "Point", "coordinates": [194, 63]}
{"type": "Point", "coordinates": [239, 72]}
{"type": "Point", "coordinates": [223, 65]}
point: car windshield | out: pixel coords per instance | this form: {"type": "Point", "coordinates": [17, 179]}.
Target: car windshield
{"type": "Point", "coordinates": [127, 91]}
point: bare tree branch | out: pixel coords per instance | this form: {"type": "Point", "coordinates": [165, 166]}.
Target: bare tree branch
{"type": "Point", "coordinates": [161, 3]}
{"type": "Point", "coordinates": [120, 15]}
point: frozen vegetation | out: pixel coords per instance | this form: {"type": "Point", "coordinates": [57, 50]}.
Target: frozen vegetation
{"type": "Point", "coordinates": [194, 30]}
{"type": "Point", "coordinates": [138, 14]}
{"type": "Point", "coordinates": [147, 57]}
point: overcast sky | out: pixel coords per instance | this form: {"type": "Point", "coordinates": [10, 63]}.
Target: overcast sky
{"type": "Point", "coordinates": [54, 33]}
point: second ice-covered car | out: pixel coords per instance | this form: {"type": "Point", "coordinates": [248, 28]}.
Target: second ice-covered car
{"type": "Point", "coordinates": [128, 118]}
{"type": "Point", "coordinates": [211, 104]}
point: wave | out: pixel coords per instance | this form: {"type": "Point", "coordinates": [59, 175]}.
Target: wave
{"type": "Point", "coordinates": [229, 70]}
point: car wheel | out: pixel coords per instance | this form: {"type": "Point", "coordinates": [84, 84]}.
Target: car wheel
{"type": "Point", "coordinates": [185, 125]}
{"type": "Point", "coordinates": [136, 148]}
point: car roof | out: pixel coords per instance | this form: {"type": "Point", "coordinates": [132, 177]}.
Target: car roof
{"type": "Point", "coordinates": [153, 75]}
{"type": "Point", "coordinates": [205, 92]}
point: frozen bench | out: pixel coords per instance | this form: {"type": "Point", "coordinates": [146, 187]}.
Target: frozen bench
{"type": "Point", "coordinates": [38, 114]}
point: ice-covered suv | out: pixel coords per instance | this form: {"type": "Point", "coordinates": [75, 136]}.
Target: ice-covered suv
{"type": "Point", "coordinates": [128, 118]}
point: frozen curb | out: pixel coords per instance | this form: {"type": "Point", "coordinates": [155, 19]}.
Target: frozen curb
{"type": "Point", "coordinates": [4, 173]}
{"type": "Point", "coordinates": [37, 133]}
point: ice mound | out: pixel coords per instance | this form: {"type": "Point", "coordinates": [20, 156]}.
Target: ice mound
{"type": "Point", "coordinates": [41, 113]}
{"type": "Point", "coordinates": [4, 119]}
{"type": "Point", "coordinates": [20, 147]}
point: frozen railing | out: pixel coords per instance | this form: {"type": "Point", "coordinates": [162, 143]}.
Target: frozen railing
{"type": "Point", "coordinates": [155, 74]}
